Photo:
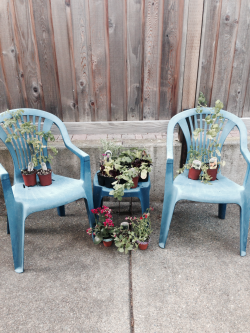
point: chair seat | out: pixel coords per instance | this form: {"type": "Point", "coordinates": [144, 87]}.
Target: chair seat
{"type": "Point", "coordinates": [222, 190]}
{"type": "Point", "coordinates": [63, 190]}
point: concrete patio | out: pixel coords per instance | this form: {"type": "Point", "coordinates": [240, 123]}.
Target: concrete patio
{"type": "Point", "coordinates": [198, 283]}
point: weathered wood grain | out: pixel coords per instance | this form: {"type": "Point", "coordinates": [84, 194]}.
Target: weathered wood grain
{"type": "Point", "coordinates": [225, 51]}
{"type": "Point", "coordinates": [117, 11]}
{"type": "Point", "coordinates": [29, 70]}
{"type": "Point", "coordinates": [4, 103]}
{"type": "Point", "coordinates": [135, 18]}
{"type": "Point", "coordinates": [152, 58]}
{"type": "Point", "coordinates": [241, 64]}
{"type": "Point", "coordinates": [100, 58]}
{"type": "Point", "coordinates": [171, 52]}
{"type": "Point", "coordinates": [63, 57]}
{"type": "Point", "coordinates": [246, 108]}
{"type": "Point", "coordinates": [47, 58]}
{"type": "Point", "coordinates": [82, 57]}
{"type": "Point", "coordinates": [8, 58]}
{"type": "Point", "coordinates": [182, 55]}
{"type": "Point", "coordinates": [192, 53]}
{"type": "Point", "coordinates": [208, 49]}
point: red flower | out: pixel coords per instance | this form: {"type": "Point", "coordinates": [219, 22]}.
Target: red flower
{"type": "Point", "coordinates": [141, 218]}
{"type": "Point", "coordinates": [146, 216]}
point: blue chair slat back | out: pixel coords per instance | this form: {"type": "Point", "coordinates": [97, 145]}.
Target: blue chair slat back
{"type": "Point", "coordinates": [18, 148]}
{"type": "Point", "coordinates": [193, 120]}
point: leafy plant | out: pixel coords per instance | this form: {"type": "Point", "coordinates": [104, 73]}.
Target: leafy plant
{"type": "Point", "coordinates": [35, 140]}
{"type": "Point", "coordinates": [205, 154]}
{"type": "Point", "coordinates": [142, 226]}
{"type": "Point", "coordinates": [104, 227]}
{"type": "Point", "coordinates": [125, 240]}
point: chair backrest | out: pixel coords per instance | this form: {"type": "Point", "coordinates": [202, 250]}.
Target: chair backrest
{"type": "Point", "coordinates": [190, 120]}
{"type": "Point", "coordinates": [18, 148]}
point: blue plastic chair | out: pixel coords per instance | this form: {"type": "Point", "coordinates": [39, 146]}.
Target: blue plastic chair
{"type": "Point", "coordinates": [141, 192]}
{"type": "Point", "coordinates": [222, 191]}
{"type": "Point", "coordinates": [22, 201]}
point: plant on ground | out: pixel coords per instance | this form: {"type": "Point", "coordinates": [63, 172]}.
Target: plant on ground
{"type": "Point", "coordinates": [142, 226]}
{"type": "Point", "coordinates": [104, 227]}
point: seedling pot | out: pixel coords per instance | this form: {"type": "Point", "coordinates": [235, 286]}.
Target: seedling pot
{"type": "Point", "coordinates": [107, 242]}
{"type": "Point", "coordinates": [212, 173]}
{"type": "Point", "coordinates": [143, 246]}
{"type": "Point", "coordinates": [29, 180]}
{"type": "Point", "coordinates": [194, 174]}
{"type": "Point", "coordinates": [45, 180]}
{"type": "Point", "coordinates": [135, 180]}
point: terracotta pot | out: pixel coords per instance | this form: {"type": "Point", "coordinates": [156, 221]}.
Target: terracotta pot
{"type": "Point", "coordinates": [101, 179]}
{"type": "Point", "coordinates": [29, 180]}
{"type": "Point", "coordinates": [143, 246]}
{"type": "Point", "coordinates": [107, 242]}
{"type": "Point", "coordinates": [45, 180]}
{"type": "Point", "coordinates": [194, 174]}
{"type": "Point", "coordinates": [212, 173]}
{"type": "Point", "coordinates": [109, 181]}
{"type": "Point", "coordinates": [135, 180]}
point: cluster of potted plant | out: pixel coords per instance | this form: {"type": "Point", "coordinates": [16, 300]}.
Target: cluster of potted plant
{"type": "Point", "coordinates": [202, 162]}
{"type": "Point", "coordinates": [33, 142]}
{"type": "Point", "coordinates": [122, 170]}
{"type": "Point", "coordinates": [127, 237]}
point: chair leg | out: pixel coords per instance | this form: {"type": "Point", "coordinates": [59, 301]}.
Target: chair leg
{"type": "Point", "coordinates": [144, 198]}
{"type": "Point", "coordinates": [17, 226]}
{"type": "Point", "coordinates": [89, 205]}
{"type": "Point", "coordinates": [244, 225]}
{"type": "Point", "coordinates": [8, 227]}
{"type": "Point", "coordinates": [61, 210]}
{"type": "Point", "coordinates": [167, 213]}
{"type": "Point", "coordinates": [222, 211]}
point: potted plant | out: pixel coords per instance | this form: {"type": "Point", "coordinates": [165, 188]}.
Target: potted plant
{"type": "Point", "coordinates": [207, 157]}
{"type": "Point", "coordinates": [104, 228]}
{"type": "Point", "coordinates": [125, 239]}
{"type": "Point", "coordinates": [142, 228]}
{"type": "Point", "coordinates": [35, 141]}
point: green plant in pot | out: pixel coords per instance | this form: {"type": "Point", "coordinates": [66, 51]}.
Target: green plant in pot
{"type": "Point", "coordinates": [125, 239]}
{"type": "Point", "coordinates": [142, 228]}
{"type": "Point", "coordinates": [104, 228]}
{"type": "Point", "coordinates": [208, 157]}
{"type": "Point", "coordinates": [35, 143]}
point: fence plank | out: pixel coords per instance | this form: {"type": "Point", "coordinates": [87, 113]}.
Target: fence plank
{"type": "Point", "coordinates": [225, 52]}
{"type": "Point", "coordinates": [135, 42]}
{"type": "Point", "coordinates": [246, 108]}
{"type": "Point", "coordinates": [117, 50]}
{"type": "Point", "coordinates": [100, 58]}
{"type": "Point", "coordinates": [47, 57]}
{"type": "Point", "coordinates": [61, 37]}
{"type": "Point", "coordinates": [152, 58]}
{"type": "Point", "coordinates": [4, 104]}
{"type": "Point", "coordinates": [9, 61]}
{"type": "Point", "coordinates": [171, 52]}
{"type": "Point", "coordinates": [208, 49]}
{"type": "Point", "coordinates": [192, 53]}
{"type": "Point", "coordinates": [28, 66]}
{"type": "Point", "coordinates": [241, 64]}
{"type": "Point", "coordinates": [82, 44]}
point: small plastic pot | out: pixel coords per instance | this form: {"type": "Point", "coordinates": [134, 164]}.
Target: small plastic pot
{"type": "Point", "coordinates": [101, 179]}
{"type": "Point", "coordinates": [143, 246]}
{"type": "Point", "coordinates": [45, 180]}
{"type": "Point", "coordinates": [109, 181]}
{"type": "Point", "coordinates": [135, 180]}
{"type": "Point", "coordinates": [194, 174]}
{"type": "Point", "coordinates": [29, 180]}
{"type": "Point", "coordinates": [212, 173]}
{"type": "Point", "coordinates": [108, 242]}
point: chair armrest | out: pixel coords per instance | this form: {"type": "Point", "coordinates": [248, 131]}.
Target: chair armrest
{"type": "Point", "coordinates": [78, 152]}
{"type": "Point", "coordinates": [169, 172]}
{"type": "Point", "coordinates": [7, 189]}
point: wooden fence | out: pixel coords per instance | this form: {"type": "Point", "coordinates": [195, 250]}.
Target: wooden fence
{"type": "Point", "coordinates": [124, 60]}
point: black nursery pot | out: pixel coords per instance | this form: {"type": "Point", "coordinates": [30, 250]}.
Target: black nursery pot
{"type": "Point", "coordinates": [101, 179]}
{"type": "Point", "coordinates": [143, 180]}
{"type": "Point", "coordinates": [109, 181]}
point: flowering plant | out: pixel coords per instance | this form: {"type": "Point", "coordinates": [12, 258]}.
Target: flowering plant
{"type": "Point", "coordinates": [104, 227]}
{"type": "Point", "coordinates": [142, 226]}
